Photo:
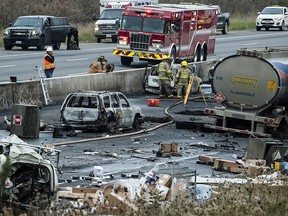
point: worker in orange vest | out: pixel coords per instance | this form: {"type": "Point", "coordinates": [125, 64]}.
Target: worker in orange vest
{"type": "Point", "coordinates": [49, 64]}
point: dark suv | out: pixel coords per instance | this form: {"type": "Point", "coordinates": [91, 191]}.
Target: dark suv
{"type": "Point", "coordinates": [37, 31]}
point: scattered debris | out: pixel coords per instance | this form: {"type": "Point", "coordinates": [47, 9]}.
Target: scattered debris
{"type": "Point", "coordinates": [168, 150]}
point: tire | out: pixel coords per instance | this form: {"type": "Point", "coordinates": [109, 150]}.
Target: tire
{"type": "Point", "coordinates": [258, 28]}
{"type": "Point", "coordinates": [8, 47]}
{"type": "Point", "coordinates": [41, 44]}
{"type": "Point", "coordinates": [173, 55]}
{"type": "Point", "coordinates": [204, 54]}
{"type": "Point", "coordinates": [281, 28]}
{"type": "Point", "coordinates": [126, 60]}
{"type": "Point", "coordinates": [111, 126]}
{"type": "Point", "coordinates": [136, 123]}
{"type": "Point", "coordinates": [225, 28]}
{"type": "Point", "coordinates": [98, 40]}
{"type": "Point", "coordinates": [56, 46]}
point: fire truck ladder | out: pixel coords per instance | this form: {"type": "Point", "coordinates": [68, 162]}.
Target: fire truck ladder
{"type": "Point", "coordinates": [38, 71]}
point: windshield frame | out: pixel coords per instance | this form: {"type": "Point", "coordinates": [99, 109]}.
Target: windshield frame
{"type": "Point", "coordinates": [143, 24]}
{"type": "Point", "coordinates": [105, 13]}
{"type": "Point", "coordinates": [28, 21]}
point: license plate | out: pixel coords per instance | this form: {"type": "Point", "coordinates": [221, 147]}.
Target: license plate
{"type": "Point", "coordinates": [18, 42]}
{"type": "Point", "coordinates": [108, 35]}
{"type": "Point", "coordinates": [135, 59]}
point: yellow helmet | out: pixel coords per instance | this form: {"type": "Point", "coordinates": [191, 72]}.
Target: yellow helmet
{"type": "Point", "coordinates": [184, 63]}
{"type": "Point", "coordinates": [165, 57]}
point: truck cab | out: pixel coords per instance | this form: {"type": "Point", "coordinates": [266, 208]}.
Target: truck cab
{"type": "Point", "coordinates": [108, 24]}
{"type": "Point", "coordinates": [39, 31]}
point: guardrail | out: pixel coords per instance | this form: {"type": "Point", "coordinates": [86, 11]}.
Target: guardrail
{"type": "Point", "coordinates": [30, 91]}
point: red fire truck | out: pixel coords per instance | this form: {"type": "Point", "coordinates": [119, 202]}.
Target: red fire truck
{"type": "Point", "coordinates": [181, 31]}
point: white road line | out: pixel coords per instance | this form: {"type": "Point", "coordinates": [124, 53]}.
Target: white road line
{"type": "Point", "coordinates": [82, 59]}
{"type": "Point", "coordinates": [249, 44]}
{"type": "Point", "coordinates": [6, 66]}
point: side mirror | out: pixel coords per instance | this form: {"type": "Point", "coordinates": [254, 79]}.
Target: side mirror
{"type": "Point", "coordinates": [94, 17]}
{"type": "Point", "coordinates": [10, 24]}
{"type": "Point", "coordinates": [258, 13]}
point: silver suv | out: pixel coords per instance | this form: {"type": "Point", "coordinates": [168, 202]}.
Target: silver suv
{"type": "Point", "coordinates": [99, 110]}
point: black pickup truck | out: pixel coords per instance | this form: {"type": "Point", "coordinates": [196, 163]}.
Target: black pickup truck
{"type": "Point", "coordinates": [223, 20]}
{"type": "Point", "coordinates": [37, 31]}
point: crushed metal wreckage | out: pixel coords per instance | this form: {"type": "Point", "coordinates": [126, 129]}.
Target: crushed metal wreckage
{"type": "Point", "coordinates": [30, 180]}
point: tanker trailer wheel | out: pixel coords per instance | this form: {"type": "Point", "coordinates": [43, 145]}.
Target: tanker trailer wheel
{"type": "Point", "coordinates": [281, 131]}
{"type": "Point", "coordinates": [126, 60]}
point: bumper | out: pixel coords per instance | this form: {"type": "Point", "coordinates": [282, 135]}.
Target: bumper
{"type": "Point", "coordinates": [278, 24]}
{"type": "Point", "coordinates": [138, 54]}
{"type": "Point", "coordinates": [104, 35]}
{"type": "Point", "coordinates": [21, 42]}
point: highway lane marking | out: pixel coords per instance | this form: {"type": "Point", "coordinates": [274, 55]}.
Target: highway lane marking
{"type": "Point", "coordinates": [250, 36]}
{"type": "Point", "coordinates": [249, 44]}
{"type": "Point", "coordinates": [6, 66]}
{"type": "Point", "coordinates": [72, 60]}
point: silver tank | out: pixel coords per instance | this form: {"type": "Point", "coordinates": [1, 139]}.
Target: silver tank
{"type": "Point", "coordinates": [250, 83]}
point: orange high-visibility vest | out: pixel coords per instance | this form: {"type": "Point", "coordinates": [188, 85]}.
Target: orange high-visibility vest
{"type": "Point", "coordinates": [48, 65]}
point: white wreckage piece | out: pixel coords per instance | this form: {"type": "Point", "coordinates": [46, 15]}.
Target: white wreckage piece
{"type": "Point", "coordinates": [30, 180]}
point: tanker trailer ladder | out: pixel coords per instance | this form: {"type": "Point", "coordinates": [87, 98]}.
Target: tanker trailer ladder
{"type": "Point", "coordinates": [38, 71]}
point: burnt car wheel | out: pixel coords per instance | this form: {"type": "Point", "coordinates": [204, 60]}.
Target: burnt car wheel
{"type": "Point", "coordinates": [111, 126]}
{"type": "Point", "coordinates": [137, 123]}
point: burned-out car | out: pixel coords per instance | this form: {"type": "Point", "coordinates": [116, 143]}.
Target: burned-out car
{"type": "Point", "coordinates": [99, 110]}
{"type": "Point", "coordinates": [27, 178]}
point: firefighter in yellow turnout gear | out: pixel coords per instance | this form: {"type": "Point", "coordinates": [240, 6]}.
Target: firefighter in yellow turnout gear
{"type": "Point", "coordinates": [182, 79]}
{"type": "Point", "coordinates": [165, 78]}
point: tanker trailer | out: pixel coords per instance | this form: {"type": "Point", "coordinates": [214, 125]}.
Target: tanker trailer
{"type": "Point", "coordinates": [251, 88]}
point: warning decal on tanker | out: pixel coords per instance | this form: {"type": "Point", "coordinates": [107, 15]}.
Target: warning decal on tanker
{"type": "Point", "coordinates": [244, 81]}
{"type": "Point", "coordinates": [271, 85]}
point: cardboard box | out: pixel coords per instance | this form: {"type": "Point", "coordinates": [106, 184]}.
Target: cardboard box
{"type": "Point", "coordinates": [255, 170]}
{"type": "Point", "coordinates": [209, 160]}
{"type": "Point", "coordinates": [84, 190]}
{"type": "Point", "coordinates": [161, 192]}
{"type": "Point", "coordinates": [165, 180]}
{"type": "Point", "coordinates": [224, 165]}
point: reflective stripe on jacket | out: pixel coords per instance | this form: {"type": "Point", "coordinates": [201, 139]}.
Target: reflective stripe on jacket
{"type": "Point", "coordinates": [165, 72]}
{"type": "Point", "coordinates": [48, 64]}
{"type": "Point", "coordinates": [183, 76]}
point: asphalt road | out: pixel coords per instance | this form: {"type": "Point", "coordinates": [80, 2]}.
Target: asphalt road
{"type": "Point", "coordinates": [21, 63]}
{"type": "Point", "coordinates": [78, 159]}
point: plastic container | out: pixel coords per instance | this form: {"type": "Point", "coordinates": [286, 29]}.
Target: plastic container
{"type": "Point", "coordinates": [98, 171]}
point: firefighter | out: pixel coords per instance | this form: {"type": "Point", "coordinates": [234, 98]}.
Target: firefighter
{"type": "Point", "coordinates": [101, 66]}
{"type": "Point", "coordinates": [182, 79]}
{"type": "Point", "coordinates": [73, 44]}
{"type": "Point", "coordinates": [165, 78]}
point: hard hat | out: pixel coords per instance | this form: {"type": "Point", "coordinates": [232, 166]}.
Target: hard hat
{"type": "Point", "coordinates": [101, 58]}
{"type": "Point", "coordinates": [49, 49]}
{"type": "Point", "coordinates": [184, 63]}
{"type": "Point", "coordinates": [166, 57]}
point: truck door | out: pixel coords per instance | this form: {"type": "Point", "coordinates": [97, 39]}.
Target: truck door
{"type": "Point", "coordinates": [47, 30]}
{"type": "Point", "coordinates": [60, 28]}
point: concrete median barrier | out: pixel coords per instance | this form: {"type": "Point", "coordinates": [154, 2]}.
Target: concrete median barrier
{"type": "Point", "coordinates": [30, 91]}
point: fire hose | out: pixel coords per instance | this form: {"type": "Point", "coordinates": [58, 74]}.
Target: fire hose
{"type": "Point", "coordinates": [128, 134]}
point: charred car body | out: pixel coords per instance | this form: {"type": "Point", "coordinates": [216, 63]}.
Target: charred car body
{"type": "Point", "coordinates": [37, 31]}
{"type": "Point", "coordinates": [99, 110]}
{"type": "Point", "coordinates": [30, 180]}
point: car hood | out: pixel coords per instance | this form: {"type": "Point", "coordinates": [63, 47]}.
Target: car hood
{"type": "Point", "coordinates": [23, 27]}
{"type": "Point", "coordinates": [106, 21]}
{"type": "Point", "coordinates": [271, 16]}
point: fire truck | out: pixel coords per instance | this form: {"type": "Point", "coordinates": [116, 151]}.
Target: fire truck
{"type": "Point", "coordinates": [181, 31]}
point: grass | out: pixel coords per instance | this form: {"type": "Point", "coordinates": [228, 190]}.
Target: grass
{"type": "Point", "coordinates": [242, 23]}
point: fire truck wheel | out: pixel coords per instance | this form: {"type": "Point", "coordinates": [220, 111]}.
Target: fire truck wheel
{"type": "Point", "coordinates": [126, 60]}
{"type": "Point", "coordinates": [173, 55]}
